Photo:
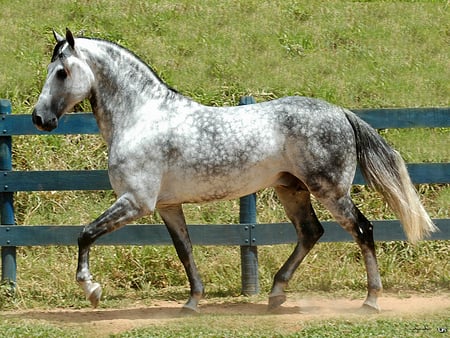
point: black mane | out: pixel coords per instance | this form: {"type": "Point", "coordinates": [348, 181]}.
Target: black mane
{"type": "Point", "coordinates": [57, 49]}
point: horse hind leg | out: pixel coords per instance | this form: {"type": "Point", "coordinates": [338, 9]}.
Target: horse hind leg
{"type": "Point", "coordinates": [351, 219]}
{"type": "Point", "coordinates": [297, 204]}
{"type": "Point", "coordinates": [176, 225]}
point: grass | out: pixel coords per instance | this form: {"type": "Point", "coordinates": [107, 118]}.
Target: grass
{"type": "Point", "coordinates": [17, 329]}
{"type": "Point", "coordinates": [354, 54]}
{"type": "Point", "coordinates": [328, 328]}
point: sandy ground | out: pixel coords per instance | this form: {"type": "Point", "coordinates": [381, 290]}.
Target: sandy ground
{"type": "Point", "coordinates": [103, 322]}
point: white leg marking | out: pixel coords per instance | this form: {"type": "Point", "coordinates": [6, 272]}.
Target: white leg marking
{"type": "Point", "coordinates": [92, 291]}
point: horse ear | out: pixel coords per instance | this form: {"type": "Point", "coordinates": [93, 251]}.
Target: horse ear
{"type": "Point", "coordinates": [69, 38]}
{"type": "Point", "coordinates": [58, 37]}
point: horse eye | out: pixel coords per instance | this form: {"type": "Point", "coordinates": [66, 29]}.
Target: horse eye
{"type": "Point", "coordinates": [61, 74]}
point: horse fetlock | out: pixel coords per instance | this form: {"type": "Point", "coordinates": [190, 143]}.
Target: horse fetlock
{"type": "Point", "coordinates": [83, 275]}
{"type": "Point", "coordinates": [278, 286]}
{"type": "Point", "coordinates": [92, 291]}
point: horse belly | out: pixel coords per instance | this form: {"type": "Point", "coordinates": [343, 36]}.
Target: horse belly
{"type": "Point", "coordinates": [201, 188]}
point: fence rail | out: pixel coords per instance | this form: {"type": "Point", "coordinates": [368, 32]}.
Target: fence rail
{"type": "Point", "coordinates": [248, 234]}
{"type": "Point", "coordinates": [254, 234]}
{"type": "Point", "coordinates": [60, 180]}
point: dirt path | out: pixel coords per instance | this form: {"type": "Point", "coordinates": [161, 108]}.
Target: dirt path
{"type": "Point", "coordinates": [103, 322]}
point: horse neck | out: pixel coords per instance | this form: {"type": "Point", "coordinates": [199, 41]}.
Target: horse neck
{"type": "Point", "coordinates": [123, 84]}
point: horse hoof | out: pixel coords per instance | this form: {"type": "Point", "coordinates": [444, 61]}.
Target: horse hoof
{"type": "Point", "coordinates": [370, 308]}
{"type": "Point", "coordinates": [95, 295]}
{"type": "Point", "coordinates": [275, 301]}
{"type": "Point", "coordinates": [191, 307]}
{"type": "Point", "coordinates": [189, 310]}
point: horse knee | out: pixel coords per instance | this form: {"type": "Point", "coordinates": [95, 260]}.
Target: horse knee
{"type": "Point", "coordinates": [86, 237]}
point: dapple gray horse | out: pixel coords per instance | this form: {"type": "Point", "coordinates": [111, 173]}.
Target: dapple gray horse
{"type": "Point", "coordinates": [165, 150]}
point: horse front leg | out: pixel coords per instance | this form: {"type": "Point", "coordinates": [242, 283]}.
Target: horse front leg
{"type": "Point", "coordinates": [122, 211]}
{"type": "Point", "coordinates": [174, 219]}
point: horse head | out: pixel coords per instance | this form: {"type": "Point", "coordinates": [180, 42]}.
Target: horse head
{"type": "Point", "coordinates": [69, 81]}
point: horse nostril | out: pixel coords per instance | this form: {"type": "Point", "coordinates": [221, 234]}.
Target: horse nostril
{"type": "Point", "coordinates": [37, 120]}
{"type": "Point", "coordinates": [43, 122]}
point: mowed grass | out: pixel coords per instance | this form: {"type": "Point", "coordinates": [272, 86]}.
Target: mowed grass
{"type": "Point", "coordinates": [19, 329]}
{"type": "Point", "coordinates": [355, 54]}
{"type": "Point", "coordinates": [212, 327]}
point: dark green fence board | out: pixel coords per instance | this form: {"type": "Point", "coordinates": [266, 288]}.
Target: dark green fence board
{"type": "Point", "coordinates": [430, 173]}
{"type": "Point", "coordinates": [76, 123]}
{"type": "Point", "coordinates": [406, 117]}
{"type": "Point", "coordinates": [384, 230]}
{"type": "Point", "coordinates": [54, 180]}
{"type": "Point", "coordinates": [137, 234]}
{"type": "Point", "coordinates": [12, 181]}
{"type": "Point", "coordinates": [206, 234]}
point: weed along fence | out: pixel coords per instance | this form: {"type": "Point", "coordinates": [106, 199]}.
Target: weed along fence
{"type": "Point", "coordinates": [248, 234]}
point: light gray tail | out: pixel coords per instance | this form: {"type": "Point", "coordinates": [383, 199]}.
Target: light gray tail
{"type": "Point", "coordinates": [384, 169]}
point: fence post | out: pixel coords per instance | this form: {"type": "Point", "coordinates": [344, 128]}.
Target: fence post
{"type": "Point", "coordinates": [6, 203]}
{"type": "Point", "coordinates": [249, 253]}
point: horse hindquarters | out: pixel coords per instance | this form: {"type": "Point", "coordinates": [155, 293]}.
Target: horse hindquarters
{"type": "Point", "coordinates": [327, 174]}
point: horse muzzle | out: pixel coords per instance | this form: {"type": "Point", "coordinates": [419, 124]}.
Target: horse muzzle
{"type": "Point", "coordinates": [45, 122]}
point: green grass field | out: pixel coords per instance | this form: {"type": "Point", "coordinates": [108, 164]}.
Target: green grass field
{"type": "Point", "coordinates": [200, 327]}
{"type": "Point", "coordinates": [354, 54]}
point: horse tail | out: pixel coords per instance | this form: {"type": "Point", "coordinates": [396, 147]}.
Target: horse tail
{"type": "Point", "coordinates": [384, 169]}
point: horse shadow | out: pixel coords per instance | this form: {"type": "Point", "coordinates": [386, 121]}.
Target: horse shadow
{"type": "Point", "coordinates": [81, 316]}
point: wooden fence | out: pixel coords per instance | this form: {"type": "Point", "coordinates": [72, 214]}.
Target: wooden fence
{"type": "Point", "coordinates": [248, 234]}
